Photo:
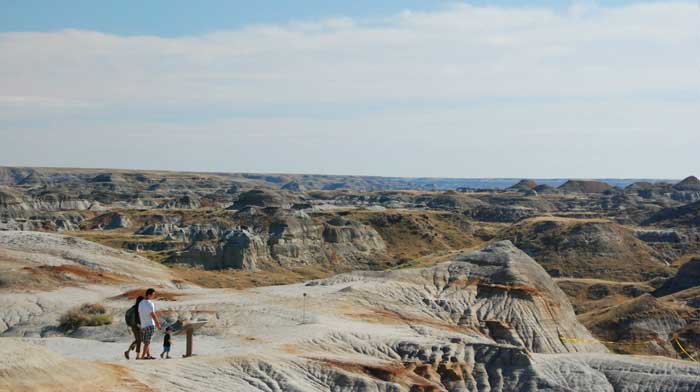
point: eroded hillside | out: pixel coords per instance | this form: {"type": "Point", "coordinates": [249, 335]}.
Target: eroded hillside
{"type": "Point", "coordinates": [407, 289]}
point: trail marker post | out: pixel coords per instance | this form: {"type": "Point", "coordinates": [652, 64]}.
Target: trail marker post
{"type": "Point", "coordinates": [188, 330]}
{"type": "Point", "coordinates": [303, 314]}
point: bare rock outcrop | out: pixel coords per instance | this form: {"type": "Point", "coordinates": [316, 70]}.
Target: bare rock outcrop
{"type": "Point", "coordinates": [690, 183]}
{"type": "Point", "coordinates": [261, 198]}
{"type": "Point", "coordinates": [586, 248]}
{"type": "Point", "coordinates": [287, 238]}
{"type": "Point", "coordinates": [687, 215]}
{"type": "Point", "coordinates": [109, 221]}
{"type": "Point", "coordinates": [237, 249]}
{"type": "Point", "coordinates": [584, 186]}
{"type": "Point", "coordinates": [524, 185]}
{"type": "Point", "coordinates": [487, 320]}
{"type": "Point", "coordinates": [688, 276]}
{"type": "Point", "coordinates": [42, 250]}
{"type": "Point", "coordinates": [500, 213]}
{"type": "Point", "coordinates": [182, 202]}
{"type": "Point", "coordinates": [494, 290]}
{"type": "Point", "coordinates": [640, 325]}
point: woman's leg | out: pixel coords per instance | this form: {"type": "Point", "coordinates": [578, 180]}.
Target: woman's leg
{"type": "Point", "coordinates": [137, 339]}
{"type": "Point", "coordinates": [136, 344]}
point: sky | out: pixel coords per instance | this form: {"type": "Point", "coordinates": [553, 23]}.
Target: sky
{"type": "Point", "coordinates": [538, 89]}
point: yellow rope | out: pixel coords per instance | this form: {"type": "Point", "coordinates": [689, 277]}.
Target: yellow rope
{"type": "Point", "coordinates": [640, 342]}
{"type": "Point", "coordinates": [680, 346]}
{"type": "Point", "coordinates": [683, 350]}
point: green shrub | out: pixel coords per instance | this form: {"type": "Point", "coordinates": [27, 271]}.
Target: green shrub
{"type": "Point", "coordinates": [90, 315]}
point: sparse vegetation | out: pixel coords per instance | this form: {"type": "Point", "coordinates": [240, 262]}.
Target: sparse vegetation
{"type": "Point", "coordinates": [88, 315]}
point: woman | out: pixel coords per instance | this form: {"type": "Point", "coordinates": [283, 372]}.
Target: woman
{"type": "Point", "coordinates": [135, 328]}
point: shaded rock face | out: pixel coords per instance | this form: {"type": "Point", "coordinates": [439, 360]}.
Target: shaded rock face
{"type": "Point", "coordinates": [297, 239]}
{"type": "Point", "coordinates": [292, 238]}
{"type": "Point", "coordinates": [500, 214]}
{"type": "Point", "coordinates": [524, 185]}
{"type": "Point", "coordinates": [545, 189]}
{"type": "Point", "coordinates": [341, 231]}
{"type": "Point", "coordinates": [640, 186]}
{"type": "Point", "coordinates": [672, 243]}
{"type": "Point", "coordinates": [586, 248]}
{"type": "Point", "coordinates": [335, 185]}
{"type": "Point", "coordinates": [110, 221]}
{"type": "Point", "coordinates": [660, 236]}
{"type": "Point", "coordinates": [15, 205]}
{"type": "Point", "coordinates": [687, 276]}
{"type": "Point", "coordinates": [686, 215]}
{"type": "Point", "coordinates": [686, 191]}
{"type": "Point", "coordinates": [642, 319]}
{"type": "Point", "coordinates": [688, 184]}
{"type": "Point", "coordinates": [183, 202]}
{"type": "Point", "coordinates": [292, 186]}
{"type": "Point", "coordinates": [590, 294]}
{"type": "Point", "coordinates": [157, 229]}
{"type": "Point", "coordinates": [13, 175]}
{"type": "Point", "coordinates": [107, 178]}
{"type": "Point", "coordinates": [259, 198]}
{"type": "Point", "coordinates": [583, 186]}
{"type": "Point", "coordinates": [11, 203]}
{"type": "Point", "coordinates": [450, 200]}
{"type": "Point", "coordinates": [34, 178]}
{"type": "Point", "coordinates": [239, 249]}
{"type": "Point", "coordinates": [52, 222]}
{"type": "Point", "coordinates": [233, 189]}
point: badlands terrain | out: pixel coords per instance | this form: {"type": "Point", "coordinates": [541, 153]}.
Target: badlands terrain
{"type": "Point", "coordinates": [340, 283]}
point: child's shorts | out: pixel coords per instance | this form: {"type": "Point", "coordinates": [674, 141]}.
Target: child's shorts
{"type": "Point", "coordinates": [166, 349]}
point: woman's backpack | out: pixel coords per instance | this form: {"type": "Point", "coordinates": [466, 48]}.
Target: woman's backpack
{"type": "Point", "coordinates": [132, 316]}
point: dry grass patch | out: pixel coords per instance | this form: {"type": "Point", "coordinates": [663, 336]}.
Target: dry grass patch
{"type": "Point", "coordinates": [160, 294]}
{"type": "Point", "coordinates": [89, 315]}
{"type": "Point", "coordinates": [413, 234]}
{"type": "Point", "coordinates": [270, 276]}
{"type": "Point", "coordinates": [46, 277]}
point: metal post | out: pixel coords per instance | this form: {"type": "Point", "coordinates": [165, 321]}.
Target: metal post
{"type": "Point", "coordinates": [303, 320]}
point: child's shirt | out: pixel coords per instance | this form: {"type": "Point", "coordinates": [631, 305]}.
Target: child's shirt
{"type": "Point", "coordinates": [166, 339]}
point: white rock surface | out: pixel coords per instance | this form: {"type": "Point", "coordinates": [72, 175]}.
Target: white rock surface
{"type": "Point", "coordinates": [487, 321]}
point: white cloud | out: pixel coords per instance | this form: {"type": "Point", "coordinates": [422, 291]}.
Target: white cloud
{"type": "Point", "coordinates": [414, 76]}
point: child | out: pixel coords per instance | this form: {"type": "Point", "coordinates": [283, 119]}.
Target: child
{"type": "Point", "coordinates": [166, 343]}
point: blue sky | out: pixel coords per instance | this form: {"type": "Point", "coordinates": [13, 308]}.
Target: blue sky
{"type": "Point", "coordinates": [410, 88]}
{"type": "Point", "coordinates": [182, 17]}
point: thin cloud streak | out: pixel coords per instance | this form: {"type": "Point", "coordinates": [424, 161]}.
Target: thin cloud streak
{"type": "Point", "coordinates": [435, 83]}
